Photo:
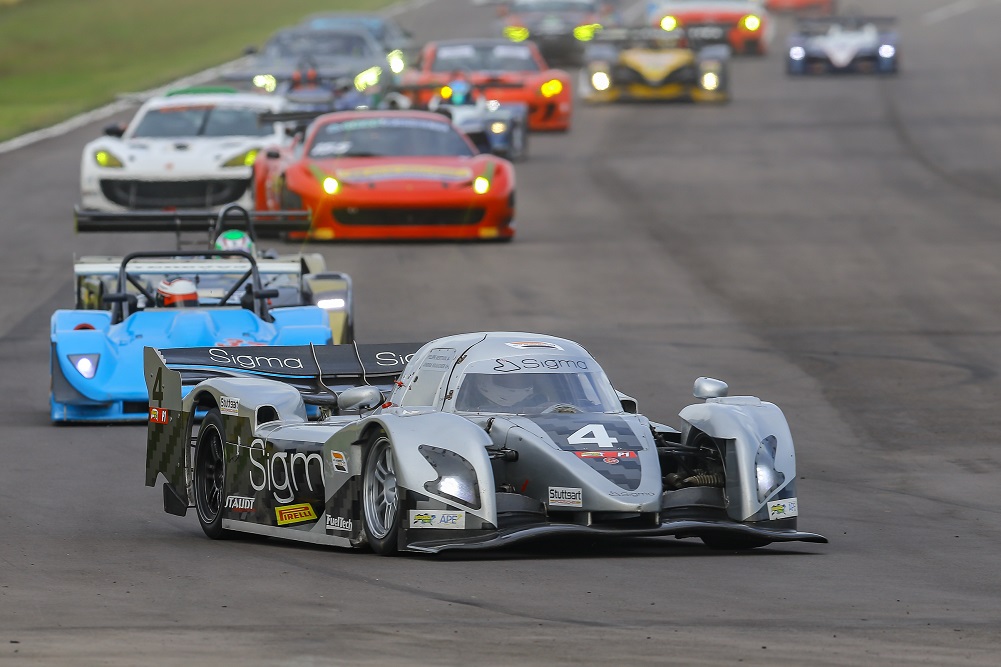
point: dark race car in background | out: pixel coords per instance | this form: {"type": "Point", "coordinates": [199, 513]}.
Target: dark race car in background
{"type": "Point", "coordinates": [560, 28]}
{"type": "Point", "coordinates": [844, 44]}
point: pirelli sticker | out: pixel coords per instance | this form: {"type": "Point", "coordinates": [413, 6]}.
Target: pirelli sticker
{"type": "Point", "coordinates": [229, 405]}
{"type": "Point", "coordinates": [288, 514]}
{"type": "Point", "coordinates": [158, 416]}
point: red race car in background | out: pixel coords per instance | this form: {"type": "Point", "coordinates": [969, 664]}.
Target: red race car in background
{"type": "Point", "coordinates": [381, 175]}
{"type": "Point", "coordinates": [500, 70]}
{"type": "Point", "coordinates": [823, 7]}
{"type": "Point", "coordinates": [743, 25]}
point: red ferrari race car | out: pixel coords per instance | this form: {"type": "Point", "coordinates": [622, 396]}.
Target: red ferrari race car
{"type": "Point", "coordinates": [503, 71]}
{"type": "Point", "coordinates": [384, 175]}
{"type": "Point", "coordinates": [744, 25]}
{"type": "Point", "coordinates": [824, 7]}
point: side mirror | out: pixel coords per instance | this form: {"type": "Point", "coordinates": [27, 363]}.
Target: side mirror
{"type": "Point", "coordinates": [250, 50]}
{"type": "Point", "coordinates": [266, 294]}
{"type": "Point", "coordinates": [115, 130]}
{"type": "Point", "coordinates": [359, 398]}
{"type": "Point", "coordinates": [119, 297]}
{"type": "Point", "coordinates": [709, 388]}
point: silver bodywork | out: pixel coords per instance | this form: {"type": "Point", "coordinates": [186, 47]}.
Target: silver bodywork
{"type": "Point", "coordinates": [589, 467]}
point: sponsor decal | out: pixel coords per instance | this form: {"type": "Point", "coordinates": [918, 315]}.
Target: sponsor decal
{"type": "Point", "coordinates": [222, 356]}
{"type": "Point", "coordinates": [277, 472]}
{"type": "Point", "coordinates": [339, 461]}
{"type": "Point", "coordinates": [632, 494]}
{"type": "Point", "coordinates": [158, 416]}
{"type": "Point", "coordinates": [239, 342]}
{"type": "Point", "coordinates": [438, 359]}
{"type": "Point", "coordinates": [532, 364]}
{"type": "Point", "coordinates": [339, 523]}
{"type": "Point", "coordinates": [392, 359]}
{"type": "Point", "coordinates": [437, 519]}
{"type": "Point", "coordinates": [607, 457]}
{"type": "Point", "coordinates": [532, 344]}
{"type": "Point", "coordinates": [786, 508]}
{"type": "Point", "coordinates": [561, 496]}
{"type": "Point", "coordinates": [229, 405]}
{"type": "Point", "coordinates": [240, 503]}
{"type": "Point", "coordinates": [295, 514]}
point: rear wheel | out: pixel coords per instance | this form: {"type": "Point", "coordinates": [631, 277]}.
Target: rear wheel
{"type": "Point", "coordinates": [210, 475]}
{"type": "Point", "coordinates": [381, 497]}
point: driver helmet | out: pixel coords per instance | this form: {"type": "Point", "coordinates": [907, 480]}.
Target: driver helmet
{"type": "Point", "coordinates": [506, 389]}
{"type": "Point", "coordinates": [235, 239]}
{"type": "Point", "coordinates": [176, 292]}
{"type": "Point", "coordinates": [462, 92]}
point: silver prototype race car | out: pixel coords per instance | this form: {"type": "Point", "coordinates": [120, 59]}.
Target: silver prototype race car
{"type": "Point", "coordinates": [472, 441]}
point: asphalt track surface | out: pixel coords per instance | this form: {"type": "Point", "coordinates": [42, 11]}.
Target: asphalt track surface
{"type": "Point", "coordinates": [828, 244]}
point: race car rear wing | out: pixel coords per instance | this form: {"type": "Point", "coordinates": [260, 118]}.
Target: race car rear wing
{"type": "Point", "coordinates": [317, 371]}
{"type": "Point", "coordinates": [192, 220]}
{"type": "Point", "coordinates": [815, 25]}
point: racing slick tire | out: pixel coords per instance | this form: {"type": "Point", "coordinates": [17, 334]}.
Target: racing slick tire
{"type": "Point", "coordinates": [381, 497]}
{"type": "Point", "coordinates": [210, 475]}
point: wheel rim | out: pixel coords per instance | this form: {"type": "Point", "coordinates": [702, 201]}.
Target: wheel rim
{"type": "Point", "coordinates": [211, 475]}
{"type": "Point", "coordinates": [382, 501]}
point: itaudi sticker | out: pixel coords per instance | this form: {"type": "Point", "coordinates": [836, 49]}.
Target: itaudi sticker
{"type": "Point", "coordinates": [562, 496]}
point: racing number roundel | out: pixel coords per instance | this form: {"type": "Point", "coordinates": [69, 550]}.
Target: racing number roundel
{"type": "Point", "coordinates": [592, 434]}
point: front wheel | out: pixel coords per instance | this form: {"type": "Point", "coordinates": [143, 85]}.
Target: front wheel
{"type": "Point", "coordinates": [210, 475]}
{"type": "Point", "coordinates": [381, 498]}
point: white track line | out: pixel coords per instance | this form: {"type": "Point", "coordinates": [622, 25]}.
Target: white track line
{"type": "Point", "coordinates": [130, 100]}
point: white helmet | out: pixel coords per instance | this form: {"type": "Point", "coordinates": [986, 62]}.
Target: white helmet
{"type": "Point", "coordinates": [506, 389]}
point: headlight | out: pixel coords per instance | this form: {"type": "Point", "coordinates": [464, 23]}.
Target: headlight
{"type": "Point", "coordinates": [330, 185]}
{"type": "Point", "coordinates": [600, 81]}
{"type": "Point", "coordinates": [456, 476]}
{"type": "Point", "coordinates": [368, 78]}
{"type": "Point", "coordinates": [551, 88]}
{"type": "Point", "coordinates": [498, 127]}
{"type": "Point", "coordinates": [751, 22]}
{"type": "Point", "coordinates": [710, 81]}
{"type": "Point", "coordinates": [481, 185]}
{"type": "Point", "coordinates": [396, 62]}
{"type": "Point", "coordinates": [85, 364]}
{"type": "Point", "coordinates": [887, 51]}
{"type": "Point", "coordinates": [106, 159]}
{"type": "Point", "coordinates": [797, 53]}
{"type": "Point", "coordinates": [336, 303]}
{"type": "Point", "coordinates": [243, 159]}
{"type": "Point", "coordinates": [266, 82]}
{"type": "Point", "coordinates": [669, 23]}
{"type": "Point", "coordinates": [769, 479]}
{"type": "Point", "coordinates": [585, 33]}
{"type": "Point", "coordinates": [516, 33]}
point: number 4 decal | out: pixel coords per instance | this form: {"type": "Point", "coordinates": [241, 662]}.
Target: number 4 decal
{"type": "Point", "coordinates": [592, 434]}
{"type": "Point", "coordinates": [156, 393]}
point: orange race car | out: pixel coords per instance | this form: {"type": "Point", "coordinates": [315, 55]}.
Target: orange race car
{"type": "Point", "coordinates": [380, 175]}
{"type": "Point", "coordinates": [511, 73]}
{"type": "Point", "coordinates": [744, 25]}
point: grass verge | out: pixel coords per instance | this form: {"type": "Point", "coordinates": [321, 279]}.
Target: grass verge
{"type": "Point", "coordinates": [59, 58]}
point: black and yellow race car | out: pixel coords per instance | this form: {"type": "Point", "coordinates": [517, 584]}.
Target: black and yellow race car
{"type": "Point", "coordinates": [653, 64]}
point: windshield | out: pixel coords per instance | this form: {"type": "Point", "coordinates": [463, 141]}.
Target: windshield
{"type": "Point", "coordinates": [383, 137]}
{"type": "Point", "coordinates": [319, 45]}
{"type": "Point", "coordinates": [534, 393]}
{"type": "Point", "coordinates": [201, 121]}
{"type": "Point", "coordinates": [374, 25]}
{"type": "Point", "coordinates": [496, 58]}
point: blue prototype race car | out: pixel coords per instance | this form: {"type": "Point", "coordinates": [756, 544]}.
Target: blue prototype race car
{"type": "Point", "coordinates": [168, 299]}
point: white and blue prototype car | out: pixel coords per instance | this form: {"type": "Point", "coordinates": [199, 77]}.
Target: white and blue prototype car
{"type": "Point", "coordinates": [472, 441]}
